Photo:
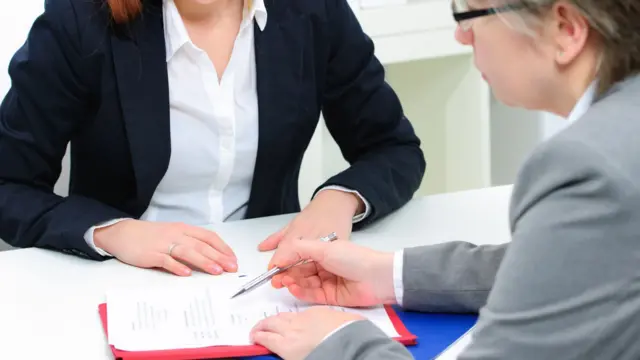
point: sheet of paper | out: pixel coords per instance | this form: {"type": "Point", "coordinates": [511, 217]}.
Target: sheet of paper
{"type": "Point", "coordinates": [201, 315]}
{"type": "Point", "coordinates": [452, 352]}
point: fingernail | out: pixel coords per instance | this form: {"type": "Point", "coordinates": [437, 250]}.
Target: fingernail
{"type": "Point", "coordinates": [232, 266]}
{"type": "Point", "coordinates": [216, 268]}
{"type": "Point", "coordinates": [186, 271]}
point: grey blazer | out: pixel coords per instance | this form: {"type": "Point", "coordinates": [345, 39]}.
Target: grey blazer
{"type": "Point", "coordinates": [568, 284]}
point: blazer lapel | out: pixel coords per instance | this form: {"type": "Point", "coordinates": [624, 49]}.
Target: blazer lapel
{"type": "Point", "coordinates": [141, 74]}
{"type": "Point", "coordinates": [279, 50]}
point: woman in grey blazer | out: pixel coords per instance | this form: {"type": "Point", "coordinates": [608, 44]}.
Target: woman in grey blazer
{"type": "Point", "coordinates": [568, 285]}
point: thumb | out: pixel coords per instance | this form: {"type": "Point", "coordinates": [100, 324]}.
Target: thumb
{"type": "Point", "coordinates": [273, 240]}
{"type": "Point", "coordinates": [294, 251]}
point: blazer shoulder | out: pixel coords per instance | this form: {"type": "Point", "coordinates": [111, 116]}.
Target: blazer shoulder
{"type": "Point", "coordinates": [78, 11]}
{"type": "Point", "coordinates": [572, 159]}
{"type": "Point", "coordinates": [83, 22]}
{"type": "Point", "coordinates": [610, 126]}
{"type": "Point", "coordinates": [70, 37]}
{"type": "Point", "coordinates": [302, 7]}
{"type": "Point", "coordinates": [608, 131]}
{"type": "Point", "coordinates": [600, 144]}
{"type": "Point", "coordinates": [321, 10]}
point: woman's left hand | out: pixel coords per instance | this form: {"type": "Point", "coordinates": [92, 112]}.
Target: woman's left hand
{"type": "Point", "coordinates": [329, 211]}
{"type": "Point", "coordinates": [293, 336]}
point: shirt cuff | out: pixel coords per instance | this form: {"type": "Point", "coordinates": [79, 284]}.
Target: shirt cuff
{"type": "Point", "coordinates": [398, 263]}
{"type": "Point", "coordinates": [367, 206]}
{"type": "Point", "coordinates": [337, 329]}
{"type": "Point", "coordinates": [88, 235]}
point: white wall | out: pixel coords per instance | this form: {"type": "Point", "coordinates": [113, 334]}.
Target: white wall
{"type": "Point", "coordinates": [514, 134]}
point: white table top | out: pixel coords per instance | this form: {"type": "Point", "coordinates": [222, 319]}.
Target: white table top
{"type": "Point", "coordinates": [48, 300]}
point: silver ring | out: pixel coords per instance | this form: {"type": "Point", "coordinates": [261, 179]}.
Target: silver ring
{"type": "Point", "coordinates": [171, 247]}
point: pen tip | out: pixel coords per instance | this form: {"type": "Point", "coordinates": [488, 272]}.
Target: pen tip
{"type": "Point", "coordinates": [238, 293]}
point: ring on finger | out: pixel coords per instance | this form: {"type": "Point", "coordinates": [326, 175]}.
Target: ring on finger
{"type": "Point", "coordinates": [171, 247]}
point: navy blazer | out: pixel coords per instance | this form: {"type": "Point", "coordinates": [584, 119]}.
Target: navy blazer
{"type": "Point", "coordinates": [103, 88]}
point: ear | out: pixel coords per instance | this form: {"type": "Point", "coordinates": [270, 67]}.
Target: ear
{"type": "Point", "coordinates": [570, 31]}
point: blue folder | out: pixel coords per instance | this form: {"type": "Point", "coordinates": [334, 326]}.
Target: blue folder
{"type": "Point", "coordinates": [435, 332]}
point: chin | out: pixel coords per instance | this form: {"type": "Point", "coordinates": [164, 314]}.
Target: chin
{"type": "Point", "coordinates": [505, 97]}
{"type": "Point", "coordinates": [510, 98]}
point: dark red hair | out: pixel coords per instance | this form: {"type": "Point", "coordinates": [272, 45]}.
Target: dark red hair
{"type": "Point", "coordinates": [124, 11]}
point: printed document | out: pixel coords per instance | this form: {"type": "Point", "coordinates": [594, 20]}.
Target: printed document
{"type": "Point", "coordinates": [202, 315]}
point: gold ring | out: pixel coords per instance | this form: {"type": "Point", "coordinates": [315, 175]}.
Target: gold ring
{"type": "Point", "coordinates": [171, 247]}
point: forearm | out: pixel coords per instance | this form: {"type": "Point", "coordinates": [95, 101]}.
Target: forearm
{"type": "Point", "coordinates": [449, 277]}
{"type": "Point", "coordinates": [386, 177]}
{"type": "Point", "coordinates": [366, 119]}
{"type": "Point", "coordinates": [31, 217]}
{"type": "Point", "coordinates": [361, 340]}
{"type": "Point", "coordinates": [362, 206]}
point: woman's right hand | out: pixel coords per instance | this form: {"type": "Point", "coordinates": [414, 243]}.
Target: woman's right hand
{"type": "Point", "coordinates": [341, 274]}
{"type": "Point", "coordinates": [175, 247]}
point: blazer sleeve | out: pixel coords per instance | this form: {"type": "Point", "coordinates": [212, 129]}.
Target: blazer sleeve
{"type": "Point", "coordinates": [567, 287]}
{"type": "Point", "coordinates": [48, 100]}
{"type": "Point", "coordinates": [365, 117]}
{"type": "Point", "coordinates": [361, 340]}
{"type": "Point", "coordinates": [452, 277]}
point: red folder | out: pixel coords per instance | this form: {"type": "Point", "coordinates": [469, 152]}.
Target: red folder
{"type": "Point", "coordinates": [217, 352]}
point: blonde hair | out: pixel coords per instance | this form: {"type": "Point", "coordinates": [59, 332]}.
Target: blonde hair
{"type": "Point", "coordinates": [617, 26]}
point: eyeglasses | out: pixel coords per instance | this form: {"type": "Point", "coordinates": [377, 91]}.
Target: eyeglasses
{"type": "Point", "coordinates": [463, 17]}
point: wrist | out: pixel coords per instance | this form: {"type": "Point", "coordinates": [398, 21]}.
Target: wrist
{"type": "Point", "coordinates": [102, 234]}
{"type": "Point", "coordinates": [349, 202]}
{"type": "Point", "coordinates": [382, 272]}
{"type": "Point", "coordinates": [99, 237]}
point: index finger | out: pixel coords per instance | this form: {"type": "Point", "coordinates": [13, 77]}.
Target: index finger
{"type": "Point", "coordinates": [293, 251]}
{"type": "Point", "coordinates": [300, 271]}
{"type": "Point", "coordinates": [284, 256]}
{"type": "Point", "coordinates": [210, 238]}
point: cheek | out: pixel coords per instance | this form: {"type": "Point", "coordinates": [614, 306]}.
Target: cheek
{"type": "Point", "coordinates": [516, 69]}
{"type": "Point", "coordinates": [487, 55]}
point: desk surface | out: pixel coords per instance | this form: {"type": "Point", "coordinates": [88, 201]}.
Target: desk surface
{"type": "Point", "coordinates": [48, 300]}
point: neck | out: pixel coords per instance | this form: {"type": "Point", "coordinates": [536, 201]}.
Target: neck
{"type": "Point", "coordinates": [210, 11]}
{"type": "Point", "coordinates": [574, 82]}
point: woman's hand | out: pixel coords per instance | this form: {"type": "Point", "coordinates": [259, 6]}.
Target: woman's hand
{"type": "Point", "coordinates": [329, 211]}
{"type": "Point", "coordinates": [293, 336]}
{"type": "Point", "coordinates": [342, 273]}
{"type": "Point", "coordinates": [171, 246]}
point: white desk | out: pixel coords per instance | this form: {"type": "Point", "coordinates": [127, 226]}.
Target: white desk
{"type": "Point", "coordinates": [48, 301]}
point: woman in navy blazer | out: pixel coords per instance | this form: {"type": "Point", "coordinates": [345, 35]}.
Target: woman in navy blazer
{"type": "Point", "coordinates": [156, 152]}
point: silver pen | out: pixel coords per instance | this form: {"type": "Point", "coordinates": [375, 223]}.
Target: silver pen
{"type": "Point", "coordinates": [276, 270]}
